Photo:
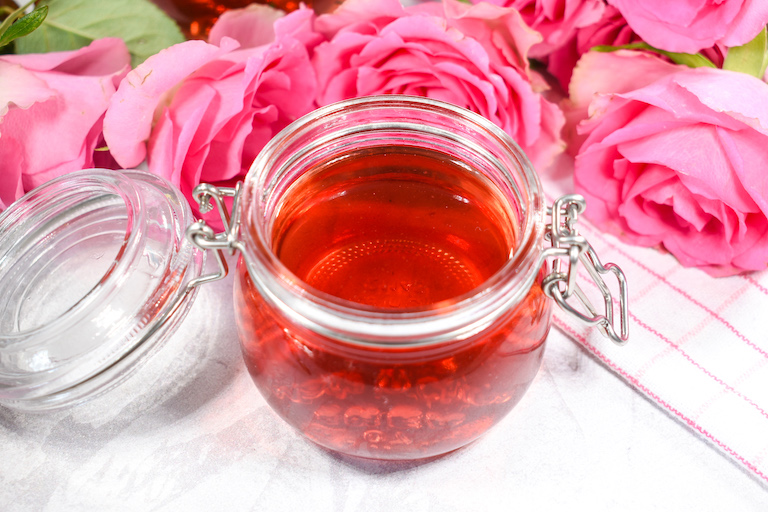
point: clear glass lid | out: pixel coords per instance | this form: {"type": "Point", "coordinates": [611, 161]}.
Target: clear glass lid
{"type": "Point", "coordinates": [94, 271]}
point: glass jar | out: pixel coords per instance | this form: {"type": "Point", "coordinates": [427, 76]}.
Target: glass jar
{"type": "Point", "coordinates": [95, 271]}
{"type": "Point", "coordinates": [375, 314]}
{"type": "Point", "coordinates": [393, 289]}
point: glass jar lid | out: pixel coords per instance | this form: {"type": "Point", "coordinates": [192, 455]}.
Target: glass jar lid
{"type": "Point", "coordinates": [95, 269]}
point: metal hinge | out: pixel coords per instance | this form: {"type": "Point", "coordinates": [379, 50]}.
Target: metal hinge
{"type": "Point", "coordinates": [571, 248]}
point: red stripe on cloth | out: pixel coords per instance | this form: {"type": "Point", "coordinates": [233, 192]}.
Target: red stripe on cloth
{"type": "Point", "coordinates": [688, 358]}
{"type": "Point", "coordinates": [636, 383]}
{"type": "Point", "coordinates": [695, 302]}
{"type": "Point", "coordinates": [675, 347]}
{"type": "Point", "coordinates": [755, 283]}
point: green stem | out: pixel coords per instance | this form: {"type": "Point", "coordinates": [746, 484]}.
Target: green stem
{"type": "Point", "coordinates": [692, 60]}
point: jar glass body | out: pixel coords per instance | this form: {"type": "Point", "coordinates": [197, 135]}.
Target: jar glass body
{"type": "Point", "coordinates": [404, 382]}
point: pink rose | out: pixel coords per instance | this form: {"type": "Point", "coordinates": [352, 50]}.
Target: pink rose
{"type": "Point", "coordinates": [471, 56]}
{"type": "Point", "coordinates": [610, 30]}
{"type": "Point", "coordinates": [200, 112]}
{"type": "Point", "coordinates": [556, 20]}
{"type": "Point", "coordinates": [689, 25]}
{"type": "Point", "coordinates": [679, 163]}
{"type": "Point", "coordinates": [51, 111]}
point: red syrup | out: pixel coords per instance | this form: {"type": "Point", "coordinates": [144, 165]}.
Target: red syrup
{"type": "Point", "coordinates": [394, 229]}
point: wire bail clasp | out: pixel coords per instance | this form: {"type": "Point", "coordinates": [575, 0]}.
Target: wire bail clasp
{"type": "Point", "coordinates": [204, 237]}
{"type": "Point", "coordinates": [560, 284]}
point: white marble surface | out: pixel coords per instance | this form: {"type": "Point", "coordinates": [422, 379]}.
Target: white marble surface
{"type": "Point", "coordinates": [190, 432]}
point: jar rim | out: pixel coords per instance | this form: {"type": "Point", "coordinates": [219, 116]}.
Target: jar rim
{"type": "Point", "coordinates": [118, 184]}
{"type": "Point", "coordinates": [353, 322]}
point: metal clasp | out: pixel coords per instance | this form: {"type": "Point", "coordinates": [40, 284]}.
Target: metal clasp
{"type": "Point", "coordinates": [560, 284]}
{"type": "Point", "coordinates": [204, 237]}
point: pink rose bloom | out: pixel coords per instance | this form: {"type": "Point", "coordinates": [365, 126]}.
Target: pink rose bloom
{"type": "Point", "coordinates": [201, 112]}
{"type": "Point", "coordinates": [680, 163]}
{"type": "Point", "coordinates": [470, 56]}
{"type": "Point", "coordinates": [689, 25]}
{"type": "Point", "coordinates": [51, 111]}
{"type": "Point", "coordinates": [556, 20]}
{"type": "Point", "coordinates": [610, 30]}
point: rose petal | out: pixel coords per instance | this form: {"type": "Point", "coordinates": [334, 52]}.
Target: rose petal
{"type": "Point", "coordinates": [742, 152]}
{"type": "Point", "coordinates": [11, 186]}
{"type": "Point", "coordinates": [20, 88]}
{"type": "Point", "coordinates": [251, 27]}
{"type": "Point", "coordinates": [750, 20]}
{"type": "Point", "coordinates": [749, 106]}
{"type": "Point", "coordinates": [351, 13]}
{"type": "Point", "coordinates": [597, 73]}
{"type": "Point", "coordinates": [557, 20]}
{"type": "Point", "coordinates": [128, 122]}
{"type": "Point", "coordinates": [502, 32]}
{"type": "Point", "coordinates": [104, 56]}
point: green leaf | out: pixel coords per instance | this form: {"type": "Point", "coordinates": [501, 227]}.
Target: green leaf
{"type": "Point", "coordinates": [24, 25]}
{"type": "Point", "coordinates": [751, 58]}
{"type": "Point", "coordinates": [10, 30]}
{"type": "Point", "coordinates": [72, 24]}
{"type": "Point", "coordinates": [692, 60]}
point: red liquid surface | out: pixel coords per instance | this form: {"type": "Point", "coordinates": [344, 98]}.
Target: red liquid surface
{"type": "Point", "coordinates": [394, 228]}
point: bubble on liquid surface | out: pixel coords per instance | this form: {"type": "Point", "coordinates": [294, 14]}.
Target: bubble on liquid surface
{"type": "Point", "coordinates": [393, 273]}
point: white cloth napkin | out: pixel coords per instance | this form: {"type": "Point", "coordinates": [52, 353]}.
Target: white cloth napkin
{"type": "Point", "coordinates": [698, 346]}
